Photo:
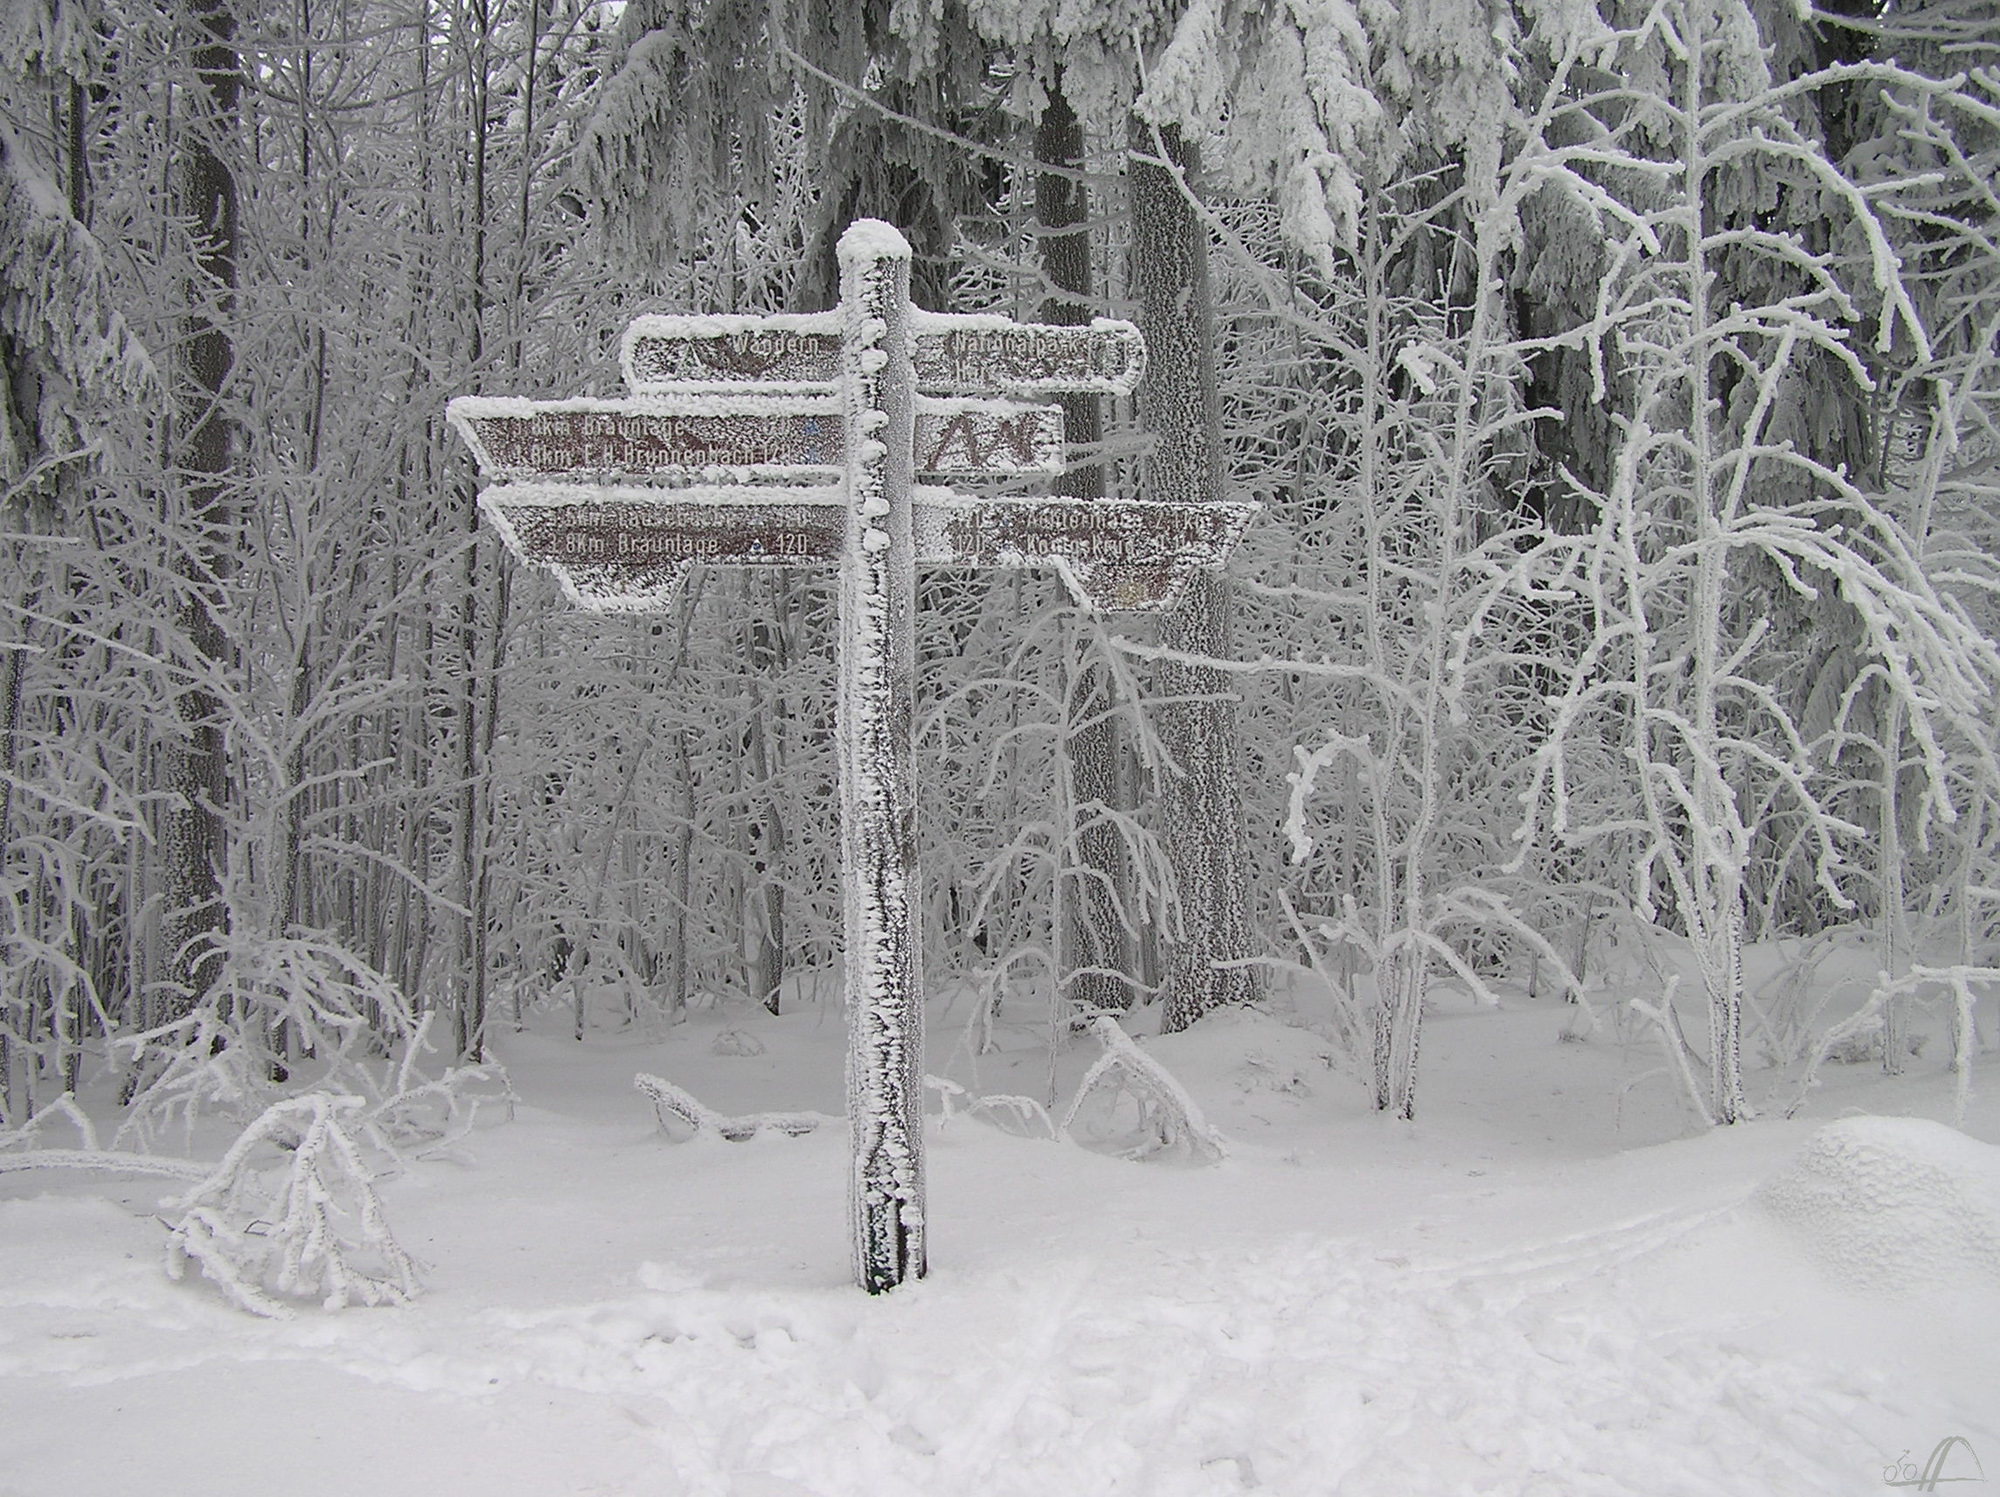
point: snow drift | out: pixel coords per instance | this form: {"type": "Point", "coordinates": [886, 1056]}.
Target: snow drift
{"type": "Point", "coordinates": [1893, 1204]}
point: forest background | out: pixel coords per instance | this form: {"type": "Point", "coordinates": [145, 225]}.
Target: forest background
{"type": "Point", "coordinates": [1617, 381]}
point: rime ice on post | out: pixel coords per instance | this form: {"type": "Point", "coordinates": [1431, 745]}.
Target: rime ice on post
{"type": "Point", "coordinates": [877, 664]}
{"type": "Point", "coordinates": [798, 440]}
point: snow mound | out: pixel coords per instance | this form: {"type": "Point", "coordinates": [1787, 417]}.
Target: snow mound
{"type": "Point", "coordinates": [1894, 1205]}
{"type": "Point", "coordinates": [1244, 1050]}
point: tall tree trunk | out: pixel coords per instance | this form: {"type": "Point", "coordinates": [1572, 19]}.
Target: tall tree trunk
{"type": "Point", "coordinates": [192, 835]}
{"type": "Point", "coordinates": [1205, 839]}
{"type": "Point", "coordinates": [765, 650]}
{"type": "Point", "coordinates": [1092, 944]}
{"type": "Point", "coordinates": [471, 832]}
{"type": "Point", "coordinates": [1062, 209]}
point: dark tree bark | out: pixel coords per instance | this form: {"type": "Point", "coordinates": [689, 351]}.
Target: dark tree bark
{"type": "Point", "coordinates": [474, 813]}
{"type": "Point", "coordinates": [1062, 208]}
{"type": "Point", "coordinates": [1197, 718]}
{"type": "Point", "coordinates": [192, 835]}
{"type": "Point", "coordinates": [1092, 940]}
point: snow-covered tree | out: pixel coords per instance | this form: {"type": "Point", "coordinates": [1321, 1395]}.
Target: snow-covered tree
{"type": "Point", "coordinates": [1716, 513]}
{"type": "Point", "coordinates": [74, 386]}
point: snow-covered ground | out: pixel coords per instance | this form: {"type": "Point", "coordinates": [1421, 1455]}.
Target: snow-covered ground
{"type": "Point", "coordinates": [1542, 1286]}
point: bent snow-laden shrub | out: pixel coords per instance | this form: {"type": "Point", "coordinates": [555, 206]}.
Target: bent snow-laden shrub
{"type": "Point", "coordinates": [313, 1227]}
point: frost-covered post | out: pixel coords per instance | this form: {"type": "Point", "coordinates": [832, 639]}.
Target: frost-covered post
{"type": "Point", "coordinates": [877, 666]}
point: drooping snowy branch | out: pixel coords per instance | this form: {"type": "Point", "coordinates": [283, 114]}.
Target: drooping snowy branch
{"type": "Point", "coordinates": [315, 1230]}
{"type": "Point", "coordinates": [676, 1108]}
{"type": "Point", "coordinates": [1170, 1122]}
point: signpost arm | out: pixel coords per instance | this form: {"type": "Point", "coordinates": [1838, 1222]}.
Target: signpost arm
{"type": "Point", "coordinates": [877, 661]}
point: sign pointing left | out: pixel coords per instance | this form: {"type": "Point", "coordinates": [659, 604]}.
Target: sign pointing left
{"type": "Point", "coordinates": [549, 437]}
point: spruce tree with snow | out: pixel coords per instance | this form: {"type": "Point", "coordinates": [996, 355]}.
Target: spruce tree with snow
{"type": "Point", "coordinates": [74, 385]}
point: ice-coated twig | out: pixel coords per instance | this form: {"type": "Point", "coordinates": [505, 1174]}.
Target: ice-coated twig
{"type": "Point", "coordinates": [399, 1120]}
{"type": "Point", "coordinates": [1957, 979]}
{"type": "Point", "coordinates": [220, 1250]}
{"type": "Point", "coordinates": [92, 1156]}
{"type": "Point", "coordinates": [1667, 1025]}
{"type": "Point", "coordinates": [1166, 1112]}
{"type": "Point", "coordinates": [63, 1107]}
{"type": "Point", "coordinates": [673, 1104]}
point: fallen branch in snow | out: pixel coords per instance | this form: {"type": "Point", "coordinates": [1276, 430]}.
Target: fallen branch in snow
{"type": "Point", "coordinates": [671, 1102]}
{"type": "Point", "coordinates": [91, 1156]}
{"type": "Point", "coordinates": [63, 1107]}
{"type": "Point", "coordinates": [111, 1161]}
{"type": "Point", "coordinates": [248, 1239]}
{"type": "Point", "coordinates": [1166, 1112]}
{"type": "Point", "coordinates": [1028, 1117]}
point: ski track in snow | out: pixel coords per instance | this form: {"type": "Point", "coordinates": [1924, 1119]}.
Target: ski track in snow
{"type": "Point", "coordinates": [1311, 1366]}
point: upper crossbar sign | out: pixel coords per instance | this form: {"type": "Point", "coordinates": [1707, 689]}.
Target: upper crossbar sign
{"type": "Point", "coordinates": [951, 354]}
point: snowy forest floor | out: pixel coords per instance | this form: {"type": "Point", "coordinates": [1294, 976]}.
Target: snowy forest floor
{"type": "Point", "coordinates": [1541, 1286]}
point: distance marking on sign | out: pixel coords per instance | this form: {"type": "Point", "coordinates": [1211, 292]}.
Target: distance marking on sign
{"type": "Point", "coordinates": [551, 437]}
{"type": "Point", "coordinates": [954, 438]}
{"type": "Point", "coordinates": [1123, 555]}
{"type": "Point", "coordinates": [625, 548]}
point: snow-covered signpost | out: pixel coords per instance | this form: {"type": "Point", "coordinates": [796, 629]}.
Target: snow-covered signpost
{"type": "Point", "coordinates": [793, 440]}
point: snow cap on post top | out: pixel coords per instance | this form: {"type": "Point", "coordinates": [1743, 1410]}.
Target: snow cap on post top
{"type": "Point", "coordinates": [869, 239]}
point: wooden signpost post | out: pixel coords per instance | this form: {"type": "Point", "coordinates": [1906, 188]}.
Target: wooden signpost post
{"type": "Point", "coordinates": [835, 438]}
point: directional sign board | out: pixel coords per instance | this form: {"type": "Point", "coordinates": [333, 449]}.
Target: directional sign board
{"type": "Point", "coordinates": [1118, 555]}
{"type": "Point", "coordinates": [624, 548]}
{"type": "Point", "coordinates": [952, 355]}
{"type": "Point", "coordinates": [686, 439]}
{"type": "Point", "coordinates": [801, 440]}
{"type": "Point", "coordinates": [519, 437]}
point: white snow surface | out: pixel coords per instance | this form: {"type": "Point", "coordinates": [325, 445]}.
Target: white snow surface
{"type": "Point", "coordinates": [1895, 1205]}
{"type": "Point", "coordinates": [1538, 1287]}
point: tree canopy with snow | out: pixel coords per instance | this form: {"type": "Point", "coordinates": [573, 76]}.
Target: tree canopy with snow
{"type": "Point", "coordinates": [1617, 382]}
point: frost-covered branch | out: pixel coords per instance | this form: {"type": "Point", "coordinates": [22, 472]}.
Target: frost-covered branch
{"type": "Point", "coordinates": [1169, 1121]}
{"type": "Point", "coordinates": [677, 1108]}
{"type": "Point", "coordinates": [317, 1230]}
